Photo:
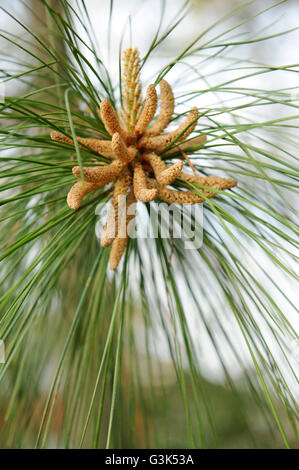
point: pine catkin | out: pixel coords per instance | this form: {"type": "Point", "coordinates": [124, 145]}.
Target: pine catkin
{"type": "Point", "coordinates": [160, 142]}
{"type": "Point", "coordinates": [134, 150]}
{"type": "Point", "coordinates": [172, 196]}
{"type": "Point", "coordinates": [117, 250]}
{"type": "Point", "coordinates": [170, 174]}
{"type": "Point", "coordinates": [128, 215]}
{"type": "Point", "coordinates": [119, 244]}
{"type": "Point", "coordinates": [110, 120]}
{"type": "Point", "coordinates": [140, 188]}
{"type": "Point", "coordinates": [111, 227]}
{"type": "Point", "coordinates": [78, 192]}
{"type": "Point", "coordinates": [58, 137]}
{"type": "Point", "coordinates": [156, 163]}
{"type": "Point", "coordinates": [211, 181]}
{"type": "Point", "coordinates": [166, 110]}
{"type": "Point", "coordinates": [102, 147]}
{"type": "Point", "coordinates": [131, 90]}
{"type": "Point", "coordinates": [148, 112]}
{"type": "Point", "coordinates": [101, 174]}
{"type": "Point", "coordinates": [196, 141]}
{"type": "Point", "coordinates": [164, 175]}
{"type": "Point", "coordinates": [121, 151]}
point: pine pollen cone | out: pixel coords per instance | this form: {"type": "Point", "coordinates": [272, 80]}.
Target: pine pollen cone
{"type": "Point", "coordinates": [137, 152]}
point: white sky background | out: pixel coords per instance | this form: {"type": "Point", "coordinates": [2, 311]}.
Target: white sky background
{"type": "Point", "coordinates": [284, 50]}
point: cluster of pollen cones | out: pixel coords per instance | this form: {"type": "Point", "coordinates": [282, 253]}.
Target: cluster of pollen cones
{"type": "Point", "coordinates": [136, 169]}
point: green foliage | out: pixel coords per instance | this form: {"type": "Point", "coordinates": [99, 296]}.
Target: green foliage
{"type": "Point", "coordinates": [101, 360]}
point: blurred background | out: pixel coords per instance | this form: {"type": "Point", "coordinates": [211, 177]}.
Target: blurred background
{"type": "Point", "coordinates": [240, 421]}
